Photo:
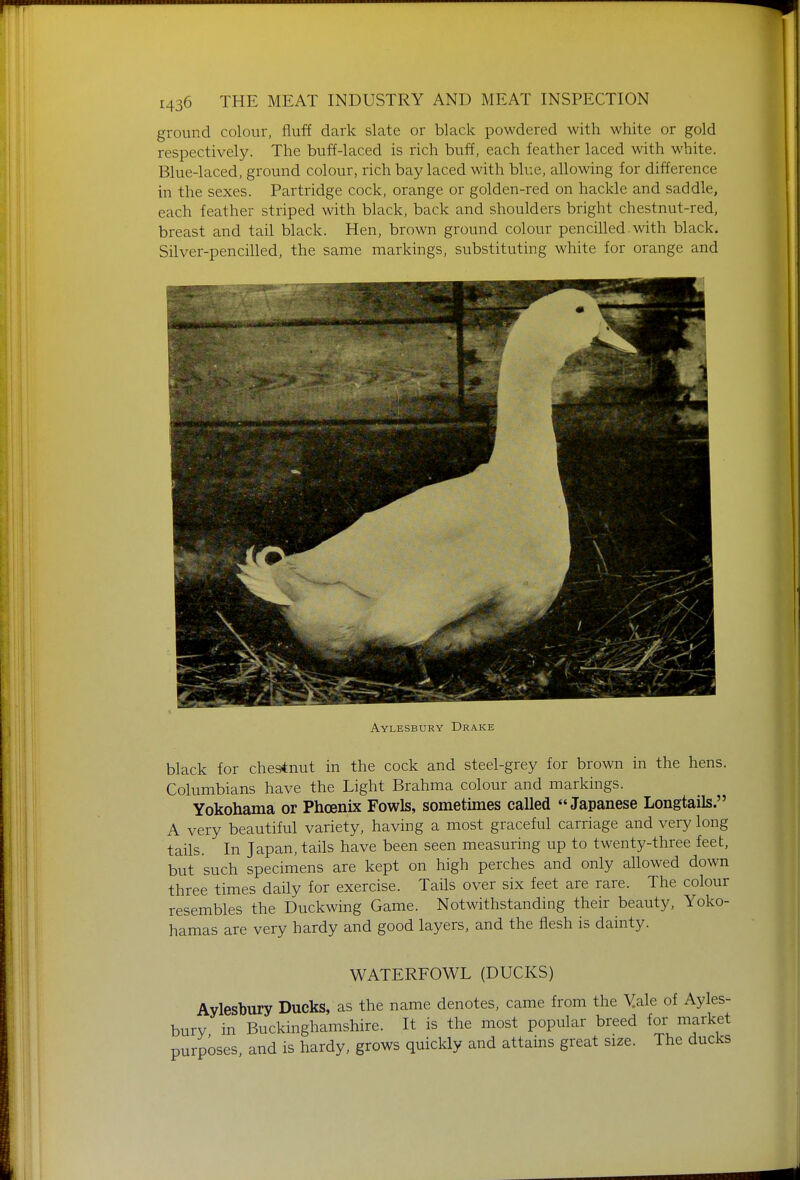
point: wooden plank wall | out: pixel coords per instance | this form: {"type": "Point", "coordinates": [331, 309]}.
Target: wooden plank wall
{"type": "Point", "coordinates": [424, 352]}
{"type": "Point", "coordinates": [296, 408]}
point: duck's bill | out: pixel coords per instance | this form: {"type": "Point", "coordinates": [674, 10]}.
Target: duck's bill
{"type": "Point", "coordinates": [607, 336]}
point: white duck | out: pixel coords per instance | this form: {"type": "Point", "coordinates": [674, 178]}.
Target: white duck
{"type": "Point", "coordinates": [459, 563]}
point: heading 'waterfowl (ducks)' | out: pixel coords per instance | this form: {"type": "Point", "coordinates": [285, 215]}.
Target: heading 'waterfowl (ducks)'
{"type": "Point", "coordinates": [458, 563]}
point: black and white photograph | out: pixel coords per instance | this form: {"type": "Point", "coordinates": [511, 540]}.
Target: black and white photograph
{"type": "Point", "coordinates": [427, 492]}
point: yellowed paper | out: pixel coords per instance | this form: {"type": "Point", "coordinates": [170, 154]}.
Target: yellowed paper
{"type": "Point", "coordinates": [543, 1049]}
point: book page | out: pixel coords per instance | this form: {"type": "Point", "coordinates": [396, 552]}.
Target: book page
{"type": "Point", "coordinates": [459, 846]}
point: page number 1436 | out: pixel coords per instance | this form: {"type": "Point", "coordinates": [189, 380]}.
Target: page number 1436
{"type": "Point", "coordinates": [175, 104]}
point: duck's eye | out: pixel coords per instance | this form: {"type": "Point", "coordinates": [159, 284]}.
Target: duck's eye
{"type": "Point", "coordinates": [580, 309]}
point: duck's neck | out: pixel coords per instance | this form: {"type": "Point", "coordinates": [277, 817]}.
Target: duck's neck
{"type": "Point", "coordinates": [524, 435]}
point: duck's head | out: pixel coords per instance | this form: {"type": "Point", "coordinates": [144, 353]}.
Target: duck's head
{"type": "Point", "coordinates": [562, 323]}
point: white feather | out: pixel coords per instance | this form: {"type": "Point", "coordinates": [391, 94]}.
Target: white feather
{"type": "Point", "coordinates": [256, 573]}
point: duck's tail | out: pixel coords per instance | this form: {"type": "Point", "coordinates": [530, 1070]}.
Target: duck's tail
{"type": "Point", "coordinates": [256, 573]}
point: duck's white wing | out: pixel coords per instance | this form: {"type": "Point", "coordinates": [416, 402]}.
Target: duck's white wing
{"type": "Point", "coordinates": [387, 548]}
{"type": "Point", "coordinates": [409, 613]}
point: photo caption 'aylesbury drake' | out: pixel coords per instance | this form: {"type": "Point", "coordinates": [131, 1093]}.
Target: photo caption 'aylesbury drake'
{"type": "Point", "coordinates": [458, 563]}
